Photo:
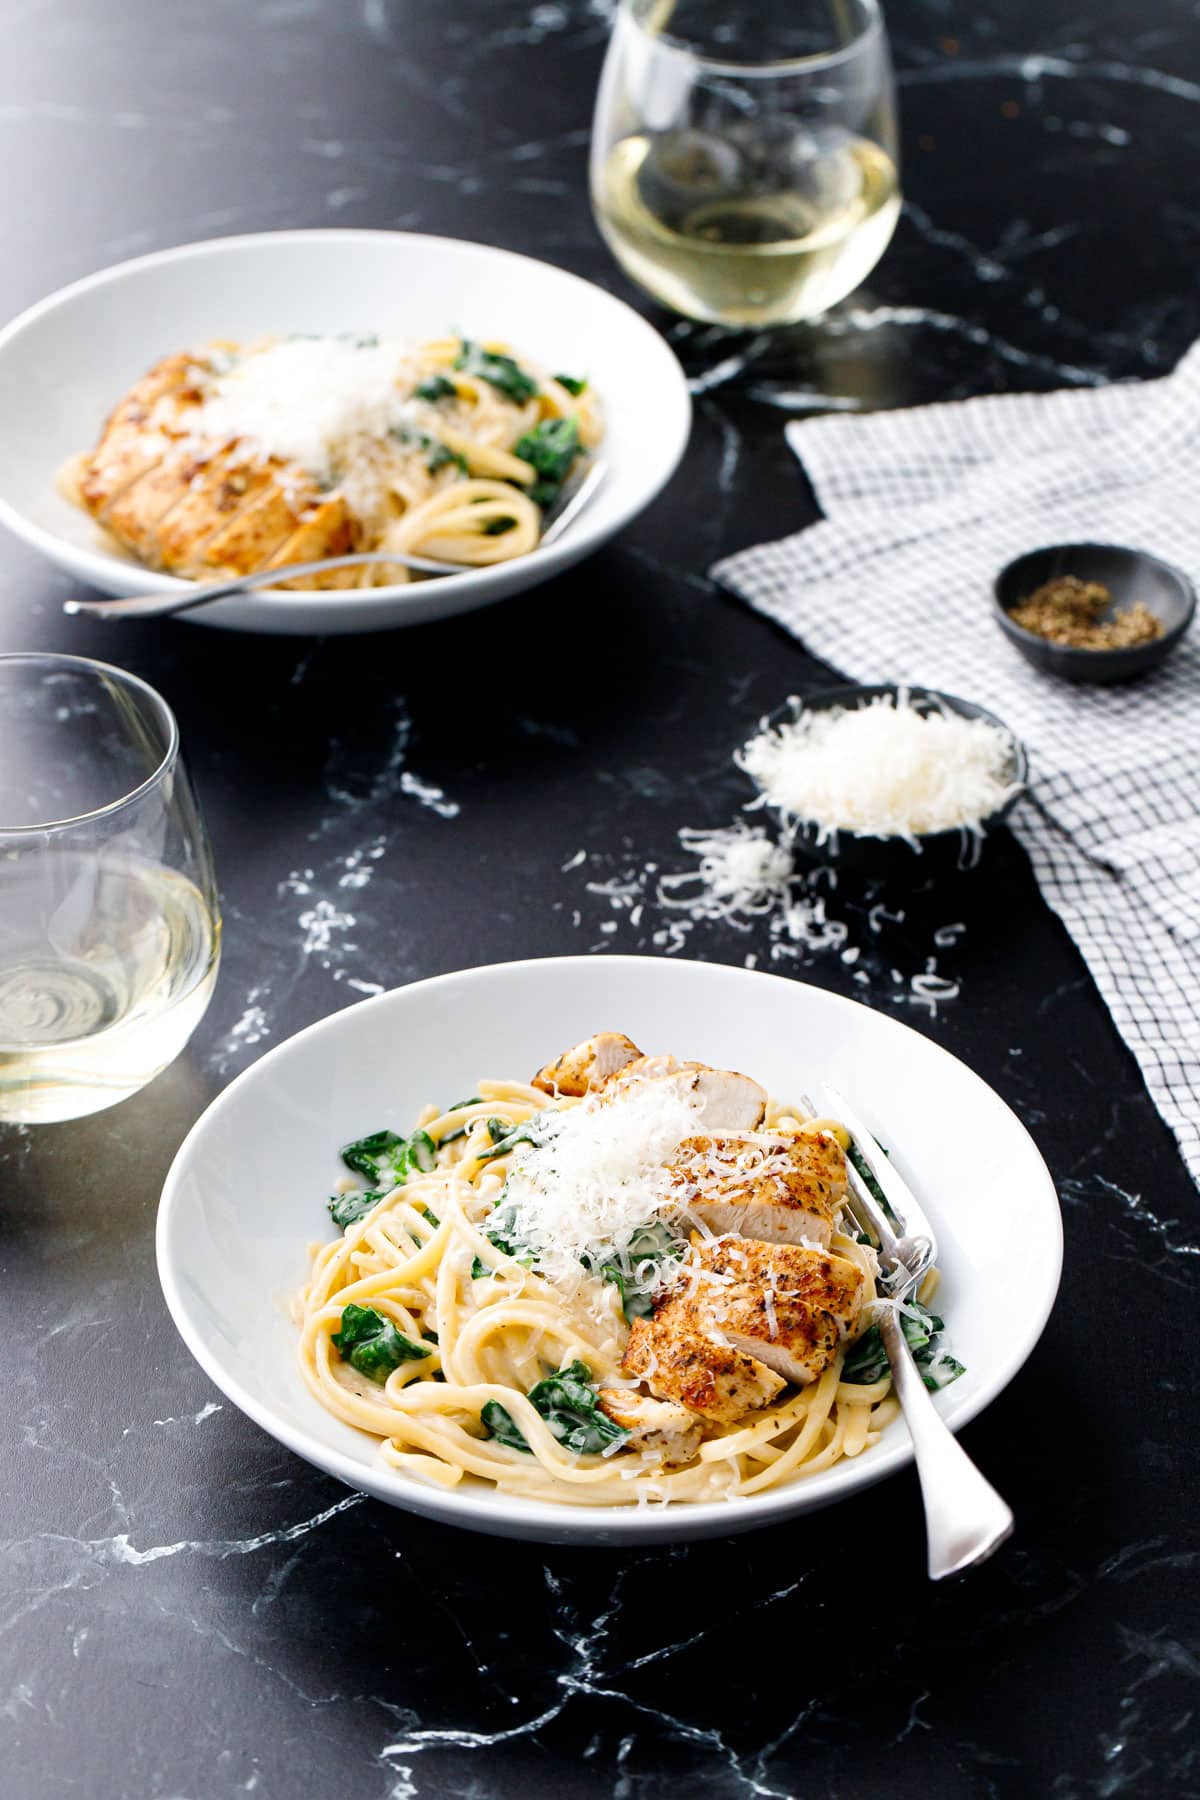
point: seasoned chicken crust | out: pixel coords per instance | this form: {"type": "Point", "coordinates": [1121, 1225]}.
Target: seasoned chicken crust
{"type": "Point", "coordinates": [200, 509]}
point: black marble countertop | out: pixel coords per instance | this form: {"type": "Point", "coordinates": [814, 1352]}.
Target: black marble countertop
{"type": "Point", "coordinates": [190, 1613]}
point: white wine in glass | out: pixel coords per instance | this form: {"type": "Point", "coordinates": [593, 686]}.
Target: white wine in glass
{"type": "Point", "coordinates": [109, 926]}
{"type": "Point", "coordinates": [746, 192]}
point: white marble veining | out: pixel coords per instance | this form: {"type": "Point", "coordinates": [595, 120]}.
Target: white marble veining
{"type": "Point", "coordinates": [186, 1612]}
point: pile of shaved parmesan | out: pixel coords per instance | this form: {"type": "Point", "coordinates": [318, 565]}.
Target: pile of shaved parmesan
{"type": "Point", "coordinates": [582, 1198]}
{"type": "Point", "coordinates": [322, 402]}
{"type": "Point", "coordinates": [887, 769]}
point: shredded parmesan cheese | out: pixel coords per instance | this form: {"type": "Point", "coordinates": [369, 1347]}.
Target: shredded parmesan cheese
{"type": "Point", "coordinates": [741, 871]}
{"type": "Point", "coordinates": [584, 1196]}
{"type": "Point", "coordinates": [882, 770]}
{"type": "Point", "coordinates": [319, 402]}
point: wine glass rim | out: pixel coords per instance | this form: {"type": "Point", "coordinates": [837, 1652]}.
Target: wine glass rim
{"type": "Point", "coordinates": [787, 65]}
{"type": "Point", "coordinates": [92, 667]}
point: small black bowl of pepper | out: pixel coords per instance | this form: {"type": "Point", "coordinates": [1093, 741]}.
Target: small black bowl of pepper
{"type": "Point", "coordinates": [1093, 612]}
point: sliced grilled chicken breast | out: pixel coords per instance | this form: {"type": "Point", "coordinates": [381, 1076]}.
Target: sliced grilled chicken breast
{"type": "Point", "coordinates": [726, 1101]}
{"type": "Point", "coordinates": [137, 431]}
{"type": "Point", "coordinates": [219, 490]}
{"type": "Point", "coordinates": [253, 535]}
{"type": "Point", "coordinates": [784, 1304]}
{"type": "Point", "coordinates": [730, 1102]}
{"type": "Point", "coordinates": [677, 1361]}
{"type": "Point", "coordinates": [326, 529]}
{"type": "Point", "coordinates": [588, 1065]}
{"type": "Point", "coordinates": [200, 508]}
{"type": "Point", "coordinates": [780, 1187]}
{"type": "Point", "coordinates": [135, 515]}
{"type": "Point", "coordinates": [660, 1426]}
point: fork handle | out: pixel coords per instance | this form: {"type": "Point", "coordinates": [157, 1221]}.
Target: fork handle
{"type": "Point", "coordinates": [178, 600]}
{"type": "Point", "coordinates": [965, 1518]}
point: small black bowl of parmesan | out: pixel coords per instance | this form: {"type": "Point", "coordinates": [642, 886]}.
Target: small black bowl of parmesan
{"type": "Point", "coordinates": [886, 781]}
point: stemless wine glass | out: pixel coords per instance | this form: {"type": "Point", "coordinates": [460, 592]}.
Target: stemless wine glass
{"type": "Point", "coordinates": [109, 928]}
{"type": "Point", "coordinates": [744, 162]}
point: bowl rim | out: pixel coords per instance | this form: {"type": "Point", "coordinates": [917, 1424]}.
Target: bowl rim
{"type": "Point", "coordinates": [826, 699]}
{"type": "Point", "coordinates": [481, 1509]}
{"type": "Point", "coordinates": [1156, 648]}
{"type": "Point", "coordinates": [572, 546]}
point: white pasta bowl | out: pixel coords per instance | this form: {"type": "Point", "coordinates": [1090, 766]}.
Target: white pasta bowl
{"type": "Point", "coordinates": [66, 361]}
{"type": "Point", "coordinates": [247, 1193]}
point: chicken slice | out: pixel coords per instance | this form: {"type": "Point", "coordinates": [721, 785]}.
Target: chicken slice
{"type": "Point", "coordinates": [725, 1100]}
{"type": "Point", "coordinates": [326, 529]}
{"type": "Point", "coordinates": [588, 1065]}
{"type": "Point", "coordinates": [789, 1306]}
{"type": "Point", "coordinates": [138, 430]}
{"type": "Point", "coordinates": [254, 535]}
{"type": "Point", "coordinates": [217, 493]}
{"type": "Point", "coordinates": [134, 517]}
{"type": "Point", "coordinates": [678, 1362]}
{"type": "Point", "coordinates": [650, 1068]}
{"type": "Point", "coordinates": [780, 1187]}
{"type": "Point", "coordinates": [660, 1426]}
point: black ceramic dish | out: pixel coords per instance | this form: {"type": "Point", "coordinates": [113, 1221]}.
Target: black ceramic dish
{"type": "Point", "coordinates": [1129, 575]}
{"type": "Point", "coordinates": [895, 858]}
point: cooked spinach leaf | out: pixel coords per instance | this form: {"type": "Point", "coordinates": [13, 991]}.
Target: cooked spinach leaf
{"type": "Point", "coordinates": [450, 1137]}
{"type": "Point", "coordinates": [499, 1423]}
{"type": "Point", "coordinates": [421, 1153]}
{"type": "Point", "coordinates": [440, 456]}
{"type": "Point", "coordinates": [533, 1131]}
{"type": "Point", "coordinates": [633, 1305]}
{"type": "Point", "coordinates": [372, 1345]}
{"type": "Point", "coordinates": [509, 1246]}
{"type": "Point", "coordinates": [567, 1402]}
{"type": "Point", "coordinates": [346, 1209]}
{"type": "Point", "coordinates": [941, 1371]}
{"type": "Point", "coordinates": [480, 1270]}
{"type": "Point", "coordinates": [574, 384]}
{"type": "Point", "coordinates": [637, 1272]}
{"type": "Point", "coordinates": [370, 1155]}
{"type": "Point", "coordinates": [385, 1155]}
{"type": "Point", "coordinates": [498, 527]}
{"type": "Point", "coordinates": [550, 449]}
{"type": "Point", "coordinates": [866, 1362]}
{"type": "Point", "coordinates": [437, 455]}
{"type": "Point", "coordinates": [436, 387]}
{"type": "Point", "coordinates": [501, 371]}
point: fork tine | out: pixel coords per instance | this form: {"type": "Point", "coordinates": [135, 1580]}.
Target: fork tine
{"type": "Point", "coordinates": [869, 1208]}
{"type": "Point", "coordinates": [902, 1202]}
{"type": "Point", "coordinates": [865, 1203]}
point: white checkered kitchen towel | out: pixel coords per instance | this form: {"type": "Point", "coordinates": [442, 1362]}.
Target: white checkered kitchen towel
{"type": "Point", "coordinates": [921, 508]}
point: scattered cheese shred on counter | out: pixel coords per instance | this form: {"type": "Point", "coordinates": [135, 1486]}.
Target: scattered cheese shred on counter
{"type": "Point", "coordinates": [882, 770]}
{"type": "Point", "coordinates": [741, 871]}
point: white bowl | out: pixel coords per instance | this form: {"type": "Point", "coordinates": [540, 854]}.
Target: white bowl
{"type": "Point", "coordinates": [248, 1191]}
{"type": "Point", "coordinates": [66, 362]}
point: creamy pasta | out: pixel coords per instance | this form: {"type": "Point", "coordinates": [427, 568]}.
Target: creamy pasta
{"type": "Point", "coordinates": [468, 1311]}
{"type": "Point", "coordinates": [239, 458]}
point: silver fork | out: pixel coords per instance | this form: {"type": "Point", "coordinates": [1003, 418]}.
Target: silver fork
{"type": "Point", "coordinates": [161, 606]}
{"type": "Point", "coordinates": [965, 1518]}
